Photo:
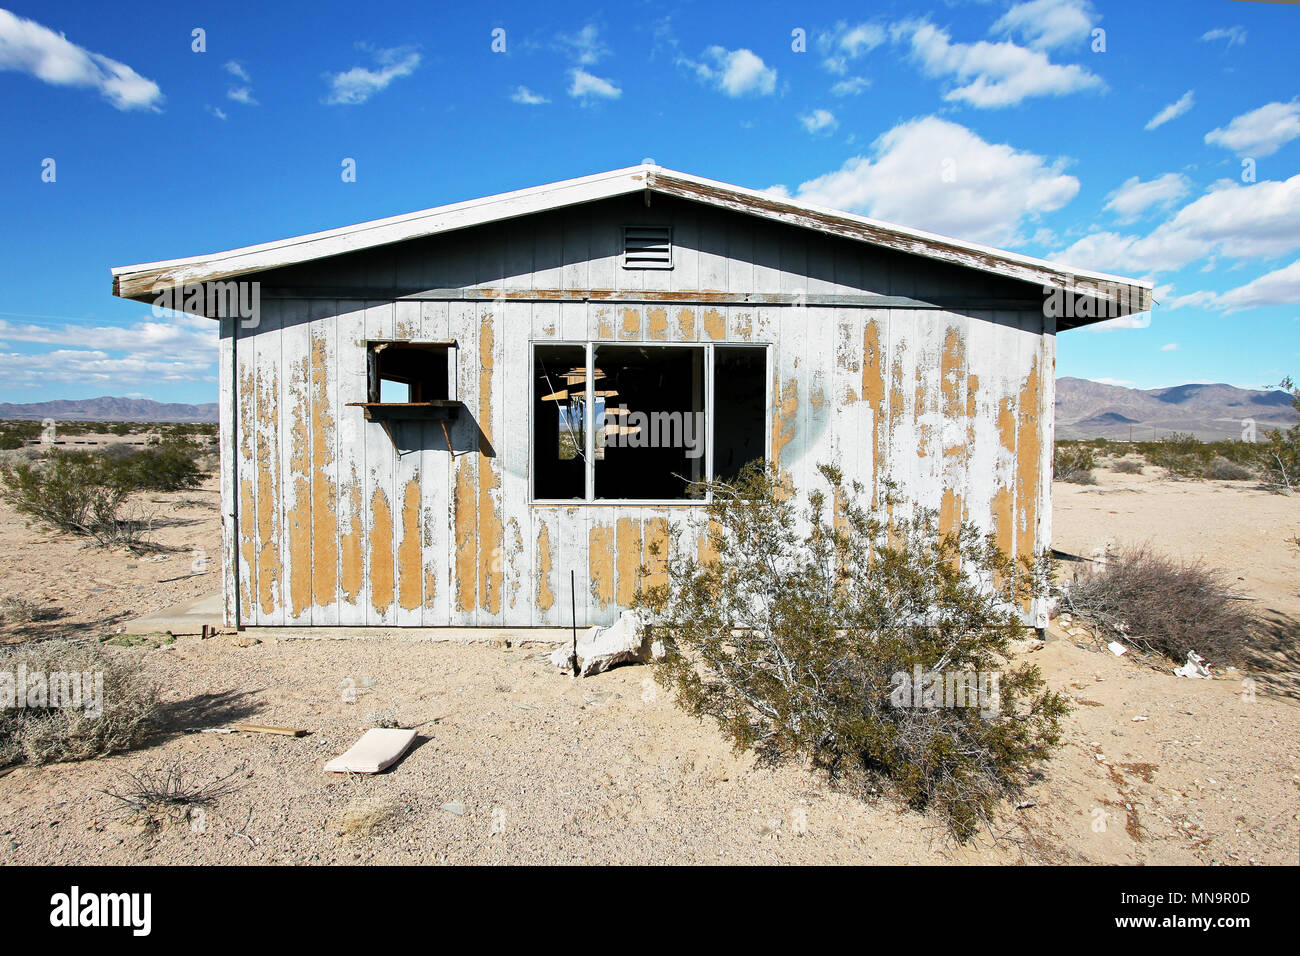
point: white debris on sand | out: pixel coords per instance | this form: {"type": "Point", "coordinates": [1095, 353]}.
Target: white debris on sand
{"type": "Point", "coordinates": [1195, 667]}
{"type": "Point", "coordinates": [603, 647]}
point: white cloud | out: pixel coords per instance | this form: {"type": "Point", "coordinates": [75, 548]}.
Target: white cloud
{"type": "Point", "coordinates": [240, 94]}
{"type": "Point", "coordinates": [584, 47]}
{"type": "Point", "coordinates": [1234, 35]}
{"type": "Point", "coordinates": [735, 72]}
{"type": "Point", "coordinates": [1170, 347]}
{"type": "Point", "coordinates": [359, 84]}
{"type": "Point", "coordinates": [524, 95]}
{"type": "Point", "coordinates": [1279, 287]}
{"type": "Point", "coordinates": [850, 86]}
{"type": "Point", "coordinates": [992, 191]}
{"type": "Point", "coordinates": [183, 349]}
{"type": "Point", "coordinates": [584, 85]}
{"type": "Point", "coordinates": [1048, 24]}
{"type": "Point", "coordinates": [819, 121]}
{"type": "Point", "coordinates": [216, 111]}
{"type": "Point", "coordinates": [1173, 110]}
{"type": "Point", "coordinates": [846, 43]}
{"type": "Point", "coordinates": [1260, 132]}
{"type": "Point", "coordinates": [992, 75]}
{"type": "Point", "coordinates": [1135, 196]}
{"type": "Point", "coordinates": [28, 47]}
{"type": "Point", "coordinates": [1233, 220]}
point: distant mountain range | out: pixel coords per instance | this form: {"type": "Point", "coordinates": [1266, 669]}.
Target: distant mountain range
{"type": "Point", "coordinates": [108, 409]}
{"type": "Point", "coordinates": [1086, 409]}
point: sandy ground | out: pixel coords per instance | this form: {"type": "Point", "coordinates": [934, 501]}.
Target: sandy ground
{"type": "Point", "coordinates": [517, 764]}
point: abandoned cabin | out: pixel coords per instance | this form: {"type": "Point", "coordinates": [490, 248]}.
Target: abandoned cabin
{"type": "Point", "coordinates": [432, 419]}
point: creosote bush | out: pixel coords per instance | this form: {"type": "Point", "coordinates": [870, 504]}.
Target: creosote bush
{"type": "Point", "coordinates": [116, 702]}
{"type": "Point", "coordinates": [1074, 463]}
{"type": "Point", "coordinates": [1164, 605]}
{"type": "Point", "coordinates": [793, 630]}
{"type": "Point", "coordinates": [1127, 466]}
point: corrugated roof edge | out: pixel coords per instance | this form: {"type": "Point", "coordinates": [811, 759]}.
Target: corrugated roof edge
{"type": "Point", "coordinates": [1123, 295]}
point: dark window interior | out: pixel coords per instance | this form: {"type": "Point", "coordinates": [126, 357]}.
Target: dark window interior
{"type": "Point", "coordinates": [408, 372]}
{"type": "Point", "coordinates": [559, 419]}
{"type": "Point", "coordinates": [650, 401]}
{"type": "Point", "coordinates": [739, 408]}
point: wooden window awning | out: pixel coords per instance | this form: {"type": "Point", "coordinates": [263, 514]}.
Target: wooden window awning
{"type": "Point", "coordinates": [443, 410]}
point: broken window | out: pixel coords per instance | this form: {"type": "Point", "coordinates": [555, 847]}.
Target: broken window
{"type": "Point", "coordinates": [402, 372]}
{"type": "Point", "coordinates": [559, 421]}
{"type": "Point", "coordinates": [739, 408]}
{"type": "Point", "coordinates": [644, 422]}
{"type": "Point", "coordinates": [650, 400]}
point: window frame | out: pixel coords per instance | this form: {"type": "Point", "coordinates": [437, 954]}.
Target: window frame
{"type": "Point", "coordinates": [589, 449]}
{"type": "Point", "coordinates": [374, 379]}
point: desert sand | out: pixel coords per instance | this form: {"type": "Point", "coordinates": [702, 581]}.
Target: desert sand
{"type": "Point", "coordinates": [515, 763]}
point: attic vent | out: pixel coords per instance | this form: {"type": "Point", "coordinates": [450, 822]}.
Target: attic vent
{"type": "Point", "coordinates": [647, 247]}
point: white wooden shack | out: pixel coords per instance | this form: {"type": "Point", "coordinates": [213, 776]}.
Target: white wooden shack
{"type": "Point", "coordinates": [430, 420]}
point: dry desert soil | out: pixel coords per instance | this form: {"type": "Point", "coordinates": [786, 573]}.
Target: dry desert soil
{"type": "Point", "coordinates": [515, 763]}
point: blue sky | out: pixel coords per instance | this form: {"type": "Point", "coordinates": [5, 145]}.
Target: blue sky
{"type": "Point", "coordinates": [1166, 146]}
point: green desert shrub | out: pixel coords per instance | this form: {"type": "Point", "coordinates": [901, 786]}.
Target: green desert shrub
{"type": "Point", "coordinates": [74, 492]}
{"type": "Point", "coordinates": [1074, 463]}
{"type": "Point", "coordinates": [111, 710]}
{"type": "Point", "coordinates": [169, 466]}
{"type": "Point", "coordinates": [821, 630]}
{"type": "Point", "coordinates": [1180, 454]}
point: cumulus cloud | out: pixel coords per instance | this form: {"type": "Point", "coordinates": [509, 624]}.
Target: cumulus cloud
{"type": "Point", "coordinates": [1048, 24]}
{"type": "Point", "coordinates": [1173, 110]}
{"type": "Point", "coordinates": [1279, 287]}
{"type": "Point", "coordinates": [850, 86]}
{"type": "Point", "coordinates": [584, 85]}
{"type": "Point", "coordinates": [527, 97]}
{"type": "Point", "coordinates": [1231, 220]}
{"type": "Point", "coordinates": [240, 94]}
{"type": "Point", "coordinates": [360, 83]}
{"type": "Point", "coordinates": [1260, 132]}
{"type": "Point", "coordinates": [735, 72]}
{"type": "Point", "coordinates": [847, 42]}
{"type": "Point", "coordinates": [1135, 196]}
{"type": "Point", "coordinates": [937, 175]}
{"type": "Point", "coordinates": [584, 47]}
{"type": "Point", "coordinates": [1170, 347]}
{"type": "Point", "coordinates": [183, 349]}
{"type": "Point", "coordinates": [28, 47]}
{"type": "Point", "coordinates": [991, 75]}
{"type": "Point", "coordinates": [819, 121]}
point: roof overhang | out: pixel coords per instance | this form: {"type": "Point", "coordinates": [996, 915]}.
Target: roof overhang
{"type": "Point", "coordinates": [1113, 295]}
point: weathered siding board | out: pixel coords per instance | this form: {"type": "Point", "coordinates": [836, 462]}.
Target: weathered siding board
{"type": "Point", "coordinates": [229, 454]}
{"type": "Point", "coordinates": [335, 527]}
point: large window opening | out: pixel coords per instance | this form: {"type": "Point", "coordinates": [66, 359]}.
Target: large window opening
{"type": "Point", "coordinates": [644, 422]}
{"type": "Point", "coordinates": [650, 401]}
{"type": "Point", "coordinates": [559, 421]}
{"type": "Point", "coordinates": [739, 408]}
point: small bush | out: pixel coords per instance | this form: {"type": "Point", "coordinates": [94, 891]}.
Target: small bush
{"type": "Point", "coordinates": [1223, 470]}
{"type": "Point", "coordinates": [1074, 463]}
{"type": "Point", "coordinates": [1127, 466]}
{"type": "Point", "coordinates": [39, 733]}
{"type": "Point", "coordinates": [1180, 454]}
{"type": "Point", "coordinates": [169, 466]}
{"type": "Point", "coordinates": [1164, 605]}
{"type": "Point", "coordinates": [70, 492]}
{"type": "Point", "coordinates": [794, 633]}
{"type": "Point", "coordinates": [17, 610]}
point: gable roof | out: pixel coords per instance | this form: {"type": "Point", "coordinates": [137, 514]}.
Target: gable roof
{"type": "Point", "coordinates": [1122, 296]}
